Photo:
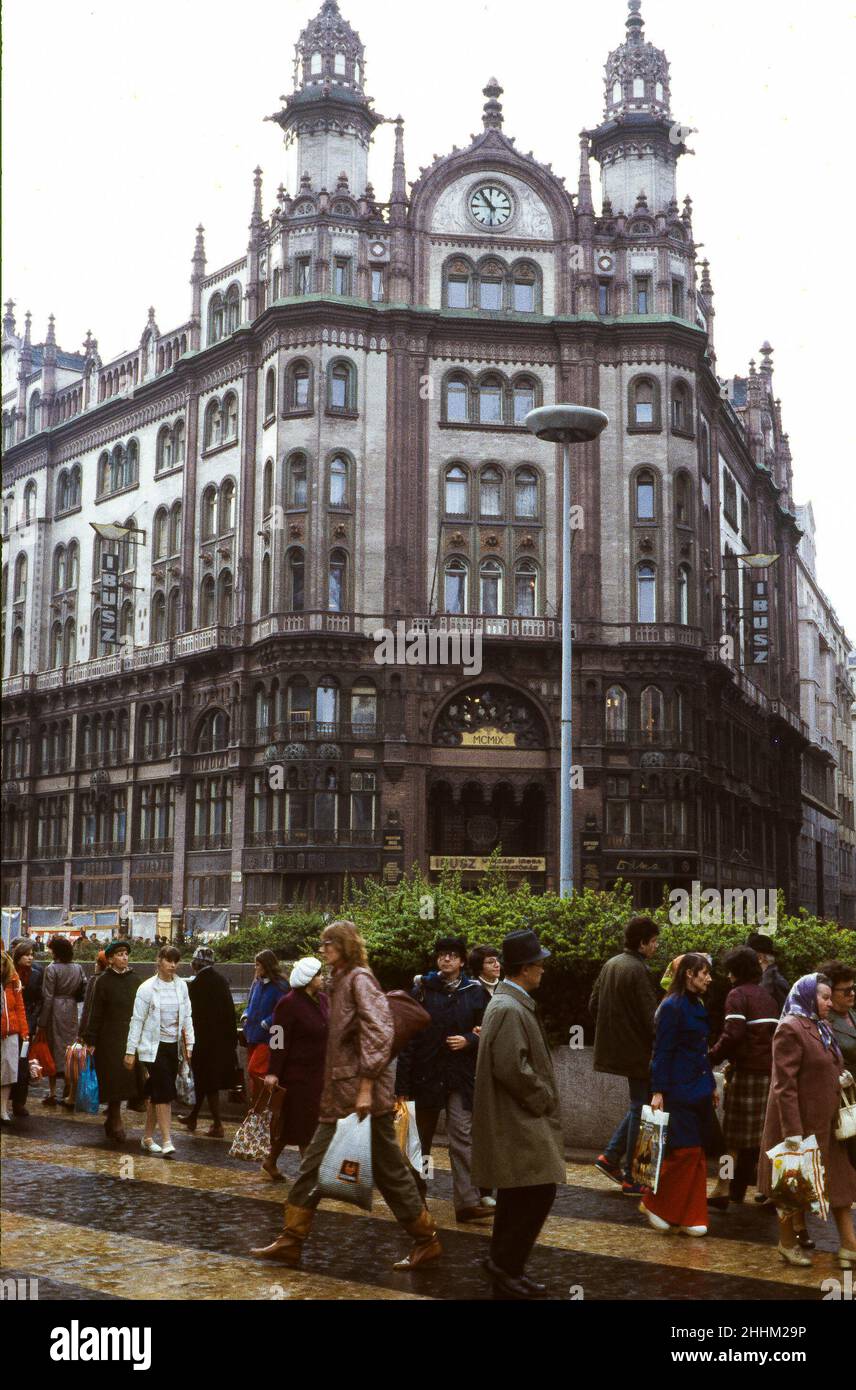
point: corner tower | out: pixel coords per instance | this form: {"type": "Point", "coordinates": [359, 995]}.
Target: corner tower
{"type": "Point", "coordinates": [638, 145]}
{"type": "Point", "coordinates": [328, 114]}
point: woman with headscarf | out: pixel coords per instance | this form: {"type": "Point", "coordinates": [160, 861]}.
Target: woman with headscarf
{"type": "Point", "coordinates": [683, 1085]}
{"type": "Point", "coordinates": [297, 1049]}
{"type": "Point", "coordinates": [805, 1095]}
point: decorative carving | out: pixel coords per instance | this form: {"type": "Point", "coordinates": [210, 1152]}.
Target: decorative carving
{"type": "Point", "coordinates": [329, 752]}
{"type": "Point", "coordinates": [495, 707]}
{"type": "Point", "coordinates": [294, 752]}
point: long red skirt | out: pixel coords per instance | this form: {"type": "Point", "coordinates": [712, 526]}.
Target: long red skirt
{"type": "Point", "coordinates": [681, 1197]}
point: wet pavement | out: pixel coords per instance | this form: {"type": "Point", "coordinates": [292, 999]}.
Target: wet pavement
{"type": "Point", "coordinates": [94, 1220]}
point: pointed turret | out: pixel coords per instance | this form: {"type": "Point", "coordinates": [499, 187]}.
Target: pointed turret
{"type": "Point", "coordinates": [9, 319]}
{"type": "Point", "coordinates": [196, 278]}
{"type": "Point", "coordinates": [25, 366]}
{"type": "Point", "coordinates": [398, 197]}
{"type": "Point", "coordinates": [400, 279]}
{"type": "Point", "coordinates": [253, 296]}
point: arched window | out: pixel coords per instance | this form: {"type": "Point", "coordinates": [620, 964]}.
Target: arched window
{"type": "Point", "coordinates": [337, 582]}
{"type": "Point", "coordinates": [490, 493]}
{"type": "Point", "coordinates": [29, 503]}
{"type": "Point", "coordinates": [525, 494]}
{"type": "Point", "coordinates": [263, 713]}
{"type": "Point", "coordinates": [651, 714]}
{"type": "Point", "coordinates": [683, 512]}
{"type": "Point", "coordinates": [173, 612]}
{"type": "Point", "coordinates": [35, 413]}
{"type": "Point", "coordinates": [178, 437]}
{"type": "Point", "coordinates": [227, 507]}
{"type": "Point", "coordinates": [161, 533]}
{"type": "Point", "coordinates": [62, 492]}
{"type": "Point", "coordinates": [215, 318]}
{"type": "Point", "coordinates": [455, 589]}
{"type": "Point", "coordinates": [159, 617]}
{"type": "Point", "coordinates": [459, 279]}
{"type": "Point", "coordinates": [457, 501]}
{"type": "Point", "coordinates": [315, 64]}
{"type": "Point", "coordinates": [616, 714]}
{"type": "Point", "coordinates": [267, 487]}
{"type": "Point", "coordinates": [59, 573]}
{"type": "Point", "coordinates": [638, 87]}
{"type": "Point", "coordinates": [17, 652]}
{"type": "Point", "coordinates": [525, 398]}
{"type": "Point", "coordinates": [128, 548]}
{"type": "Point", "coordinates": [338, 490]}
{"type": "Point", "coordinates": [490, 400]}
{"type": "Point", "coordinates": [297, 480]}
{"type": "Point", "coordinates": [208, 513]}
{"type": "Point", "coordinates": [299, 386]}
{"type": "Point", "coordinates": [19, 587]}
{"type": "Point", "coordinates": [225, 616]}
{"type": "Point", "coordinates": [213, 732]}
{"type": "Point", "coordinates": [682, 408]}
{"type": "Point", "coordinates": [175, 529]}
{"type": "Point", "coordinates": [103, 473]}
{"type": "Point", "coordinates": [270, 393]}
{"type": "Point", "coordinates": [524, 288]}
{"type": "Point", "coordinates": [163, 453]}
{"type": "Point", "coordinates": [230, 421]}
{"type": "Point", "coordinates": [616, 92]}
{"type": "Point", "coordinates": [457, 399]}
{"type": "Point", "coordinates": [296, 572]}
{"type": "Point", "coordinates": [705, 450]}
{"type": "Point", "coordinates": [491, 280]}
{"type": "Point", "coordinates": [233, 308]}
{"type": "Point", "coordinates": [126, 621]}
{"type": "Point", "coordinates": [525, 589]}
{"type": "Point", "coordinates": [644, 403]}
{"type": "Point", "coordinates": [490, 587]}
{"type": "Point", "coordinates": [213, 433]}
{"type": "Point", "coordinates": [72, 565]}
{"type": "Point", "coordinates": [56, 645]}
{"type": "Point", "coordinates": [363, 707]}
{"type": "Point", "coordinates": [264, 595]}
{"type": "Point", "coordinates": [645, 497]}
{"type": "Point", "coordinates": [683, 595]}
{"type": "Point", "coordinates": [327, 703]}
{"type": "Point", "coordinates": [646, 594]}
{"type": "Point", "coordinates": [342, 386]}
{"type": "Point", "coordinates": [8, 429]}
{"type": "Point", "coordinates": [277, 284]}
{"type": "Point", "coordinates": [339, 64]}
{"type": "Point", "coordinates": [207, 610]}
{"type": "Point", "coordinates": [74, 486]}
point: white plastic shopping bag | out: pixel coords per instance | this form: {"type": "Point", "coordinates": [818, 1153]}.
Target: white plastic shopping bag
{"type": "Point", "coordinates": [650, 1147]}
{"type": "Point", "coordinates": [346, 1168]}
{"type": "Point", "coordinates": [404, 1119]}
{"type": "Point", "coordinates": [799, 1182]}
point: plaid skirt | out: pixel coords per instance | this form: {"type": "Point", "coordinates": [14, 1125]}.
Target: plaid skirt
{"type": "Point", "coordinates": [745, 1109]}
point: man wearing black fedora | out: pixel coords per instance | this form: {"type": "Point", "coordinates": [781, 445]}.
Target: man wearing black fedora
{"type": "Point", "coordinates": [517, 1132]}
{"type": "Point", "coordinates": [772, 980]}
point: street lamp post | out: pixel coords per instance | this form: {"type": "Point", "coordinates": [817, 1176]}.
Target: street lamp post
{"type": "Point", "coordinates": [566, 425]}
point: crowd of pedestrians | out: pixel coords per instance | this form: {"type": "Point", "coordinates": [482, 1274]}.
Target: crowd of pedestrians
{"type": "Point", "coordinates": [325, 1043]}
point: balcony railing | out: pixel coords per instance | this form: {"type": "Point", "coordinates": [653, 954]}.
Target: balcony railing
{"type": "Point", "coordinates": [276, 839]}
{"type": "Point", "coordinates": [104, 757]}
{"type": "Point", "coordinates": [154, 844]}
{"type": "Point", "coordinates": [48, 767]}
{"type": "Point", "coordinates": [100, 848]}
{"type": "Point", "coordinates": [649, 738]}
{"type": "Point", "coordinates": [309, 730]}
{"type": "Point", "coordinates": [211, 842]}
{"type": "Point", "coordinates": [659, 842]}
{"type": "Point", "coordinates": [156, 752]}
{"type": "Point", "coordinates": [50, 851]}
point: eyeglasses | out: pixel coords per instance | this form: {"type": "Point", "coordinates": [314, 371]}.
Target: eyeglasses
{"type": "Point", "coordinates": [844, 989]}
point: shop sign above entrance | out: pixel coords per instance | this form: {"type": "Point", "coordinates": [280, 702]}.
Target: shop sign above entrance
{"type": "Point", "coordinates": [479, 864]}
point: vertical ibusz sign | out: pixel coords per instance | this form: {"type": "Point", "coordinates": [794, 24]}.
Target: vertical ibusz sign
{"type": "Point", "coordinates": [110, 599]}
{"type": "Point", "coordinates": [760, 624]}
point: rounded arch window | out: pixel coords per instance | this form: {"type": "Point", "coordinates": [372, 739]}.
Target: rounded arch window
{"type": "Point", "coordinates": [615, 711]}
{"type": "Point", "coordinates": [652, 711]}
{"type": "Point", "coordinates": [215, 318]}
{"type": "Point", "coordinates": [159, 616]}
{"type": "Point", "coordinates": [208, 513]}
{"type": "Point", "coordinates": [457, 491]}
{"type": "Point", "coordinates": [299, 386]}
{"type": "Point", "coordinates": [230, 410]}
{"type": "Point", "coordinates": [227, 506]}
{"type": "Point", "coordinates": [327, 703]}
{"type": "Point", "coordinates": [270, 392]}
{"type": "Point", "coordinates": [265, 595]}
{"type": "Point", "coordinates": [455, 586]}
{"type": "Point", "coordinates": [364, 706]}
{"type": "Point", "coordinates": [338, 483]}
{"type": "Point", "coordinates": [161, 529]}
{"type": "Point", "coordinates": [175, 529]}
{"type": "Point", "coordinates": [644, 402]}
{"type": "Point", "coordinates": [337, 581]}
{"type": "Point", "coordinates": [683, 595]}
{"type": "Point", "coordinates": [72, 565]}
{"type": "Point", "coordinates": [206, 602]}
{"type": "Point", "coordinates": [490, 587]}
{"type": "Point", "coordinates": [59, 570]}
{"type": "Point", "coordinates": [683, 514]}
{"type": "Point", "coordinates": [681, 407]}
{"type": "Point", "coordinates": [173, 613]}
{"type": "Point", "coordinates": [458, 400]}
{"type": "Point", "coordinates": [178, 443]}
{"type": "Point", "coordinates": [213, 435]}
{"type": "Point", "coordinates": [163, 454]}
{"type": "Point", "coordinates": [297, 480]}
{"type": "Point", "coordinates": [56, 645]}
{"type": "Point", "coordinates": [526, 589]}
{"type": "Point", "coordinates": [645, 497]}
{"type": "Point", "coordinates": [525, 494]}
{"type": "Point", "coordinates": [646, 594]}
{"type": "Point", "coordinates": [525, 398]}
{"type": "Point", "coordinates": [225, 597]}
{"type": "Point", "coordinates": [299, 701]}
{"type": "Point", "coordinates": [341, 388]}
{"type": "Point", "coordinates": [490, 492]}
{"type": "Point", "coordinates": [491, 280]}
{"type": "Point", "coordinates": [524, 289]}
{"type": "Point", "coordinates": [459, 277]}
{"type": "Point", "coordinates": [267, 487]}
{"type": "Point", "coordinates": [490, 400]}
{"type": "Point", "coordinates": [296, 566]}
{"type": "Point", "coordinates": [233, 308]}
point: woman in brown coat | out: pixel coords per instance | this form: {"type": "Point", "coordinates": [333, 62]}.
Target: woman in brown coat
{"type": "Point", "coordinates": [357, 1077]}
{"type": "Point", "coordinates": [805, 1094]}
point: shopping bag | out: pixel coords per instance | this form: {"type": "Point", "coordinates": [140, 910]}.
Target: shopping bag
{"type": "Point", "coordinates": [41, 1053]}
{"type": "Point", "coordinates": [252, 1140]}
{"type": "Point", "coordinates": [184, 1087]}
{"type": "Point", "coordinates": [346, 1168]}
{"type": "Point", "coordinates": [650, 1148]}
{"type": "Point", "coordinates": [845, 1126]}
{"type": "Point", "coordinates": [404, 1119]}
{"type": "Point", "coordinates": [75, 1061]}
{"type": "Point", "coordinates": [86, 1098]}
{"type": "Point", "coordinates": [799, 1182]}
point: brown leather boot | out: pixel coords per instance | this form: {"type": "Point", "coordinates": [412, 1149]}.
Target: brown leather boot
{"type": "Point", "coordinates": [287, 1246]}
{"type": "Point", "coordinates": [427, 1245]}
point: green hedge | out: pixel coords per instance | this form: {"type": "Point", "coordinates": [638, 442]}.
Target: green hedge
{"type": "Point", "coordinates": [400, 925]}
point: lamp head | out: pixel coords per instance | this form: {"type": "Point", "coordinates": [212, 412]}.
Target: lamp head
{"type": "Point", "coordinates": [566, 424]}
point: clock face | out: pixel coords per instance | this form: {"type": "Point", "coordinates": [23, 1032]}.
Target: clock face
{"type": "Point", "coordinates": [490, 206]}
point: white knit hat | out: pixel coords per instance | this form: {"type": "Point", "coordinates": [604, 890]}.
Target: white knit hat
{"type": "Point", "coordinates": [304, 971]}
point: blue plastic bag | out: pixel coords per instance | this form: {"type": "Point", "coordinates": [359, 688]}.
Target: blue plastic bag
{"type": "Point", "coordinates": [86, 1099]}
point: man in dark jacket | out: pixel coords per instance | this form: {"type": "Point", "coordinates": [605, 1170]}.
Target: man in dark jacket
{"type": "Point", "coordinates": [623, 1004]}
{"type": "Point", "coordinates": [106, 1033]}
{"type": "Point", "coordinates": [772, 979]}
{"type": "Point", "coordinates": [214, 1062]}
{"type": "Point", "coordinates": [438, 1068]}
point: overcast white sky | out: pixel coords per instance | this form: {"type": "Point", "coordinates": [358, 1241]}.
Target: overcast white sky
{"type": "Point", "coordinates": [124, 126]}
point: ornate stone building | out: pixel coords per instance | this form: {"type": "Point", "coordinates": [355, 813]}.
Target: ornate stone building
{"type": "Point", "coordinates": [334, 443]}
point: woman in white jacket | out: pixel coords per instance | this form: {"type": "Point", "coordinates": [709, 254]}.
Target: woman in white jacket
{"type": "Point", "coordinates": [161, 1036]}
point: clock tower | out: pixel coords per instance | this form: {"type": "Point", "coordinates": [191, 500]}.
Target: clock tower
{"type": "Point", "coordinates": [328, 116]}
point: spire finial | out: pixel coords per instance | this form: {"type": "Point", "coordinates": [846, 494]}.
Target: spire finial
{"type": "Point", "coordinates": [50, 340]}
{"type": "Point", "coordinates": [635, 22]}
{"type": "Point", "coordinates": [586, 203]}
{"type": "Point", "coordinates": [28, 322]}
{"type": "Point", "coordinates": [9, 318]}
{"type": "Point", "coordinates": [492, 115]}
{"type": "Point", "coordinates": [767, 359]}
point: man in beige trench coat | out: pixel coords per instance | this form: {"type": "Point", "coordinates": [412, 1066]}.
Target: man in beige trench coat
{"type": "Point", "coordinates": [517, 1132]}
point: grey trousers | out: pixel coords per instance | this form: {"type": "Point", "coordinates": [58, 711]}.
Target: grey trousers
{"type": "Point", "coordinates": [393, 1175]}
{"type": "Point", "coordinates": [459, 1124]}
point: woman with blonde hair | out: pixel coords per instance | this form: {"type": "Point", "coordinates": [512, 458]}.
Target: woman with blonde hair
{"type": "Point", "coordinates": [358, 1077]}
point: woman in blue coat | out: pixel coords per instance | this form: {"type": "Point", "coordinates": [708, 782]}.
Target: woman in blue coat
{"type": "Point", "coordinates": [683, 1085]}
{"type": "Point", "coordinates": [268, 988]}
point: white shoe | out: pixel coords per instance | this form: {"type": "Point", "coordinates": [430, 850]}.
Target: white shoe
{"type": "Point", "coordinates": [168, 1150]}
{"type": "Point", "coordinates": [150, 1147]}
{"type": "Point", "coordinates": [694, 1230]}
{"type": "Point", "coordinates": [656, 1221]}
{"type": "Point", "coordinates": [487, 1201]}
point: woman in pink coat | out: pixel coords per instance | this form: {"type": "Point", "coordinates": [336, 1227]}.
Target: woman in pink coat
{"type": "Point", "coordinates": [805, 1095]}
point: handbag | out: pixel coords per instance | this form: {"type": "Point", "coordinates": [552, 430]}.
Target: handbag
{"type": "Point", "coordinates": [252, 1140]}
{"type": "Point", "coordinates": [86, 1097]}
{"type": "Point", "coordinates": [41, 1053]}
{"type": "Point", "coordinates": [845, 1127]}
{"type": "Point", "coordinates": [75, 1061]}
